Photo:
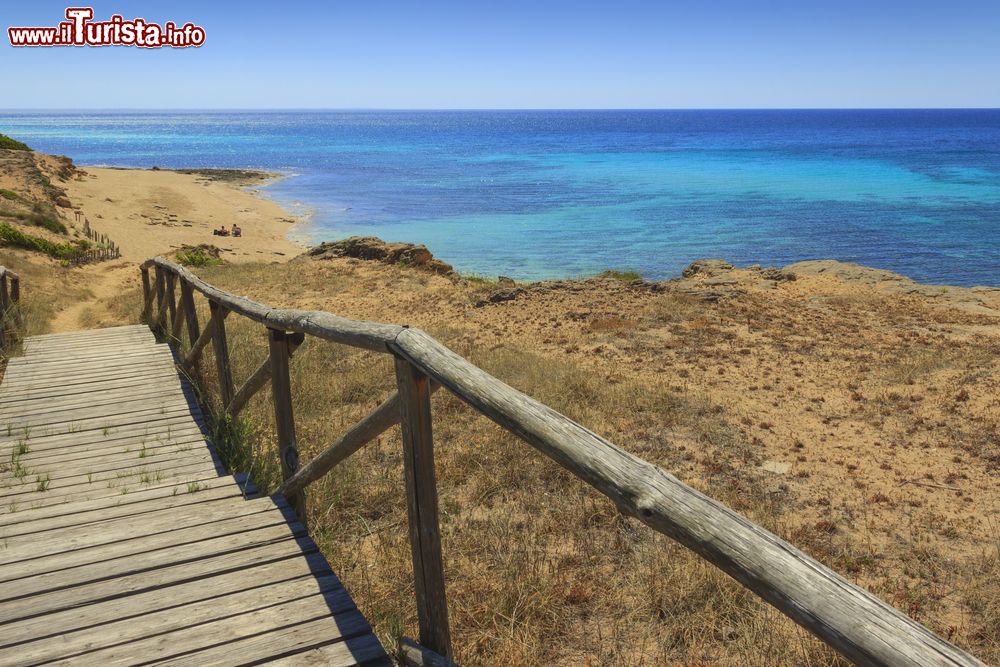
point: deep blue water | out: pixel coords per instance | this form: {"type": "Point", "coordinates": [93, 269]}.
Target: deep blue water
{"type": "Point", "coordinates": [540, 194]}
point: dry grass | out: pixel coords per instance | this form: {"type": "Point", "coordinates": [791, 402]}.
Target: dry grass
{"type": "Point", "coordinates": [540, 569]}
{"type": "Point", "coordinates": [46, 287]}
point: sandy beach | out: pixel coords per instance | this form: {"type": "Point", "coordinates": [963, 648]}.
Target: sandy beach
{"type": "Point", "coordinates": [145, 212]}
{"type": "Point", "coordinates": [151, 212]}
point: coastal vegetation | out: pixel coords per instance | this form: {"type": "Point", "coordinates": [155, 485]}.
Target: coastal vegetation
{"type": "Point", "coordinates": [37, 219]}
{"type": "Point", "coordinates": [12, 144]}
{"type": "Point", "coordinates": [64, 251]}
{"type": "Point", "coordinates": [198, 256]}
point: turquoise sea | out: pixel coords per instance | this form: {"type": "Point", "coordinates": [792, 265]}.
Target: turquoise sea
{"type": "Point", "coordinates": [541, 194]}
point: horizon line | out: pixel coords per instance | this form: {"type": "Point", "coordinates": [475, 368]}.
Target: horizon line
{"type": "Point", "coordinates": [481, 109]}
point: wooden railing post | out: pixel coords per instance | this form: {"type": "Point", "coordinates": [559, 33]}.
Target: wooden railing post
{"type": "Point", "coordinates": [172, 304]}
{"type": "Point", "coordinates": [221, 353]}
{"type": "Point", "coordinates": [161, 312]}
{"type": "Point", "coordinates": [15, 300]}
{"type": "Point", "coordinates": [190, 312]}
{"type": "Point", "coordinates": [147, 294]}
{"type": "Point", "coordinates": [4, 308]}
{"type": "Point", "coordinates": [422, 507]}
{"type": "Point", "coordinates": [284, 419]}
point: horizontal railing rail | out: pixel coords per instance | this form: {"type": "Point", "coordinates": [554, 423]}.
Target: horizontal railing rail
{"type": "Point", "coordinates": [11, 317]}
{"type": "Point", "coordinates": [850, 619]}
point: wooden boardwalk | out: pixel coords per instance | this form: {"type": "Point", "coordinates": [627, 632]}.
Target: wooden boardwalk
{"type": "Point", "coordinates": [123, 541]}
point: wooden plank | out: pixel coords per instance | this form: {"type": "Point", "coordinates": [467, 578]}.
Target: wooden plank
{"type": "Point", "coordinates": [354, 651]}
{"type": "Point", "coordinates": [851, 620]}
{"type": "Point", "coordinates": [160, 578]}
{"type": "Point", "coordinates": [117, 362]}
{"type": "Point", "coordinates": [151, 428]}
{"type": "Point", "coordinates": [19, 510]}
{"type": "Point", "coordinates": [142, 396]}
{"type": "Point", "coordinates": [221, 349]}
{"type": "Point", "coordinates": [58, 368]}
{"type": "Point", "coordinates": [246, 582]}
{"type": "Point", "coordinates": [32, 381]}
{"type": "Point", "coordinates": [76, 353]}
{"type": "Point", "coordinates": [111, 490]}
{"type": "Point", "coordinates": [94, 574]}
{"type": "Point", "coordinates": [88, 335]}
{"type": "Point", "coordinates": [307, 643]}
{"type": "Point", "coordinates": [228, 640]}
{"type": "Point", "coordinates": [95, 381]}
{"type": "Point", "coordinates": [121, 481]}
{"type": "Point", "coordinates": [143, 501]}
{"type": "Point", "coordinates": [104, 398]}
{"type": "Point", "coordinates": [110, 399]}
{"type": "Point", "coordinates": [45, 351]}
{"type": "Point", "coordinates": [70, 427]}
{"type": "Point", "coordinates": [66, 420]}
{"type": "Point", "coordinates": [106, 468]}
{"type": "Point", "coordinates": [284, 419]}
{"type": "Point", "coordinates": [42, 553]}
{"type": "Point", "coordinates": [98, 347]}
{"type": "Point", "coordinates": [80, 643]}
{"type": "Point", "coordinates": [101, 341]}
{"type": "Point", "coordinates": [193, 439]}
{"type": "Point", "coordinates": [422, 507]}
{"type": "Point", "coordinates": [165, 378]}
{"type": "Point", "coordinates": [123, 359]}
{"type": "Point", "coordinates": [106, 331]}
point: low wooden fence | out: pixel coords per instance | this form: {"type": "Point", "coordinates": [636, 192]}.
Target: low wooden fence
{"type": "Point", "coordinates": [104, 248]}
{"type": "Point", "coordinates": [854, 622]}
{"type": "Point", "coordinates": [10, 305]}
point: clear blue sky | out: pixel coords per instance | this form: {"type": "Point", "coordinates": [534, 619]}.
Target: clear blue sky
{"type": "Point", "coordinates": [523, 54]}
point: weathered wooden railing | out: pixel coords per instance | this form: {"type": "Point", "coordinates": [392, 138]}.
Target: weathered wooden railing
{"type": "Point", "coordinates": [10, 303]}
{"type": "Point", "coordinates": [854, 622]}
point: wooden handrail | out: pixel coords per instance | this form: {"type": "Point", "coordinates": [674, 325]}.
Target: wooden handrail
{"type": "Point", "coordinates": [366, 335]}
{"type": "Point", "coordinates": [851, 620]}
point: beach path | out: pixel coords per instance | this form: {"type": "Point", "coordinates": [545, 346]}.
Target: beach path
{"type": "Point", "coordinates": [122, 538]}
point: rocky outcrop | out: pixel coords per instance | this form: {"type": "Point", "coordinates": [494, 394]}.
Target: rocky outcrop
{"type": "Point", "coordinates": [375, 249]}
{"type": "Point", "coordinates": [777, 275]}
{"type": "Point", "coordinates": [499, 296]}
{"type": "Point", "coordinates": [979, 300]}
{"type": "Point", "coordinates": [707, 267]}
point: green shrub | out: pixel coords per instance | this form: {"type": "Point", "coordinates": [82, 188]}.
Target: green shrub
{"type": "Point", "coordinates": [197, 257]}
{"type": "Point", "coordinates": [18, 239]}
{"type": "Point", "coordinates": [38, 220]}
{"type": "Point", "coordinates": [12, 144]}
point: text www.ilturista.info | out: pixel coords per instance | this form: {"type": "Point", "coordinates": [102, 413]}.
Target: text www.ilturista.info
{"type": "Point", "coordinates": [80, 30]}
